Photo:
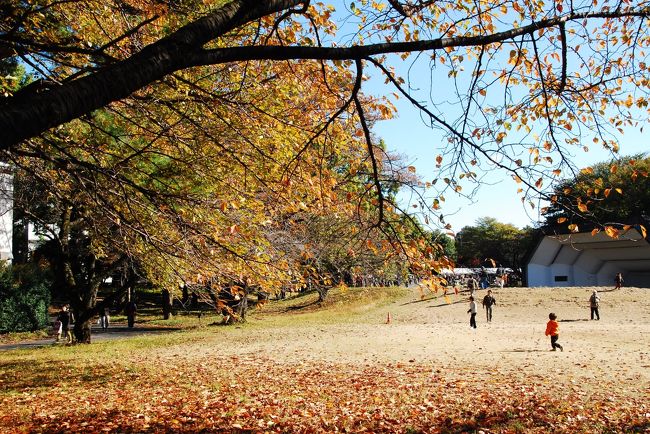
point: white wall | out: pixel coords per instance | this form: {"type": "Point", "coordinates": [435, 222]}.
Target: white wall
{"type": "Point", "coordinates": [538, 275]}
{"type": "Point", "coordinates": [6, 213]}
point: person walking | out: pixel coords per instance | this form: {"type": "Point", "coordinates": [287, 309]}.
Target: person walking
{"type": "Point", "coordinates": [131, 309]}
{"type": "Point", "coordinates": [553, 330]}
{"type": "Point", "coordinates": [66, 319]}
{"type": "Point", "coordinates": [618, 280]}
{"type": "Point", "coordinates": [104, 318]}
{"type": "Point", "coordinates": [472, 284]}
{"type": "Point", "coordinates": [594, 302]}
{"type": "Point", "coordinates": [472, 312]}
{"type": "Point", "coordinates": [488, 302]}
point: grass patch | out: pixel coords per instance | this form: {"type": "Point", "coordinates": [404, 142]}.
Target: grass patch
{"type": "Point", "coordinates": [10, 338]}
{"type": "Point", "coordinates": [341, 305]}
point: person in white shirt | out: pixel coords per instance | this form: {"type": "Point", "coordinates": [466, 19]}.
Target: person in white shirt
{"type": "Point", "coordinates": [472, 310]}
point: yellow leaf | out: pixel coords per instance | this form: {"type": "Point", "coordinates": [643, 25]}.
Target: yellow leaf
{"type": "Point", "coordinates": [595, 231]}
{"type": "Point", "coordinates": [582, 207]}
{"type": "Point", "coordinates": [619, 191]}
{"type": "Point", "coordinates": [611, 231]}
{"type": "Point", "coordinates": [574, 228]}
{"type": "Point", "coordinates": [561, 220]}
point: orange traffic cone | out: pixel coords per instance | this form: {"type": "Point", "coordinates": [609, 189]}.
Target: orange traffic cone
{"type": "Point", "coordinates": [388, 318]}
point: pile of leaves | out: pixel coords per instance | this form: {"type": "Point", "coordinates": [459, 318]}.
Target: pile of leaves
{"type": "Point", "coordinates": [181, 393]}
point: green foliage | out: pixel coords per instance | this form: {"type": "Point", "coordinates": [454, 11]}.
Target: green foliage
{"type": "Point", "coordinates": [490, 244]}
{"type": "Point", "coordinates": [24, 299]}
{"type": "Point", "coordinates": [12, 76]}
{"type": "Point", "coordinates": [611, 192]}
{"type": "Point", "coordinates": [447, 243]}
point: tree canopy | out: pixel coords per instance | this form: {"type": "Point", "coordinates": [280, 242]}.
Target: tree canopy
{"type": "Point", "coordinates": [609, 196]}
{"type": "Point", "coordinates": [490, 243]}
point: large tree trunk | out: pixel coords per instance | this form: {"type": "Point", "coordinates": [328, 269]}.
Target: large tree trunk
{"type": "Point", "coordinates": [322, 292]}
{"type": "Point", "coordinates": [85, 310]}
{"type": "Point", "coordinates": [167, 303]}
{"type": "Point", "coordinates": [242, 307]}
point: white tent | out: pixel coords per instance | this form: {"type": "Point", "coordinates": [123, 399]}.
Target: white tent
{"type": "Point", "coordinates": [583, 259]}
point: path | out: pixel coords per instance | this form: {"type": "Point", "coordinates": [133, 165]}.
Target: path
{"type": "Point", "coordinates": [116, 331]}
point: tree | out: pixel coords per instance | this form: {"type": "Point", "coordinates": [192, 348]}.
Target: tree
{"type": "Point", "coordinates": [161, 193]}
{"type": "Point", "coordinates": [556, 80]}
{"type": "Point", "coordinates": [187, 127]}
{"type": "Point", "coordinates": [609, 196]}
{"type": "Point", "coordinates": [24, 298]}
{"type": "Point", "coordinates": [493, 244]}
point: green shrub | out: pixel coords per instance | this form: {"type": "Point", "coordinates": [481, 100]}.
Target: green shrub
{"type": "Point", "coordinates": [24, 298]}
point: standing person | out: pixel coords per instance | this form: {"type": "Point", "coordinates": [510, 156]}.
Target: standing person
{"type": "Point", "coordinates": [472, 312]}
{"type": "Point", "coordinates": [471, 284]}
{"type": "Point", "coordinates": [618, 280]}
{"type": "Point", "coordinates": [131, 309]}
{"type": "Point", "coordinates": [488, 302]}
{"type": "Point", "coordinates": [104, 318]}
{"type": "Point", "coordinates": [66, 318]}
{"type": "Point", "coordinates": [553, 330]}
{"type": "Point", "coordinates": [58, 327]}
{"type": "Point", "coordinates": [594, 301]}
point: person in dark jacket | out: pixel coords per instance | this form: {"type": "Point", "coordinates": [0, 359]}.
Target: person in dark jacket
{"type": "Point", "coordinates": [488, 302]}
{"type": "Point", "coordinates": [618, 281]}
{"type": "Point", "coordinates": [594, 303]}
{"type": "Point", "coordinates": [131, 309]}
{"type": "Point", "coordinates": [66, 319]}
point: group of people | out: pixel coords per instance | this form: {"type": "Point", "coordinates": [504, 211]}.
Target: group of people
{"type": "Point", "coordinates": [488, 302]}
{"type": "Point", "coordinates": [65, 319]}
{"type": "Point", "coordinates": [552, 327]}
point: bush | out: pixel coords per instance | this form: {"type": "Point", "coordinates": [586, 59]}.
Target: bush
{"type": "Point", "coordinates": [24, 299]}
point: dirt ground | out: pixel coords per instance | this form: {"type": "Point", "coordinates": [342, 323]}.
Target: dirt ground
{"type": "Point", "coordinates": [312, 370]}
{"type": "Point", "coordinates": [613, 352]}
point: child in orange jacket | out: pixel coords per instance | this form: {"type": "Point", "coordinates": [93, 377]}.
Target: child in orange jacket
{"type": "Point", "coordinates": [552, 330]}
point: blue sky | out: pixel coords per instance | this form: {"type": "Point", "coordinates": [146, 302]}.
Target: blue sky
{"type": "Point", "coordinates": [408, 135]}
{"type": "Point", "coordinates": [497, 197]}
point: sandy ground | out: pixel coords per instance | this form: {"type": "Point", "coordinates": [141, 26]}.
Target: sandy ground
{"type": "Point", "coordinates": [612, 352]}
